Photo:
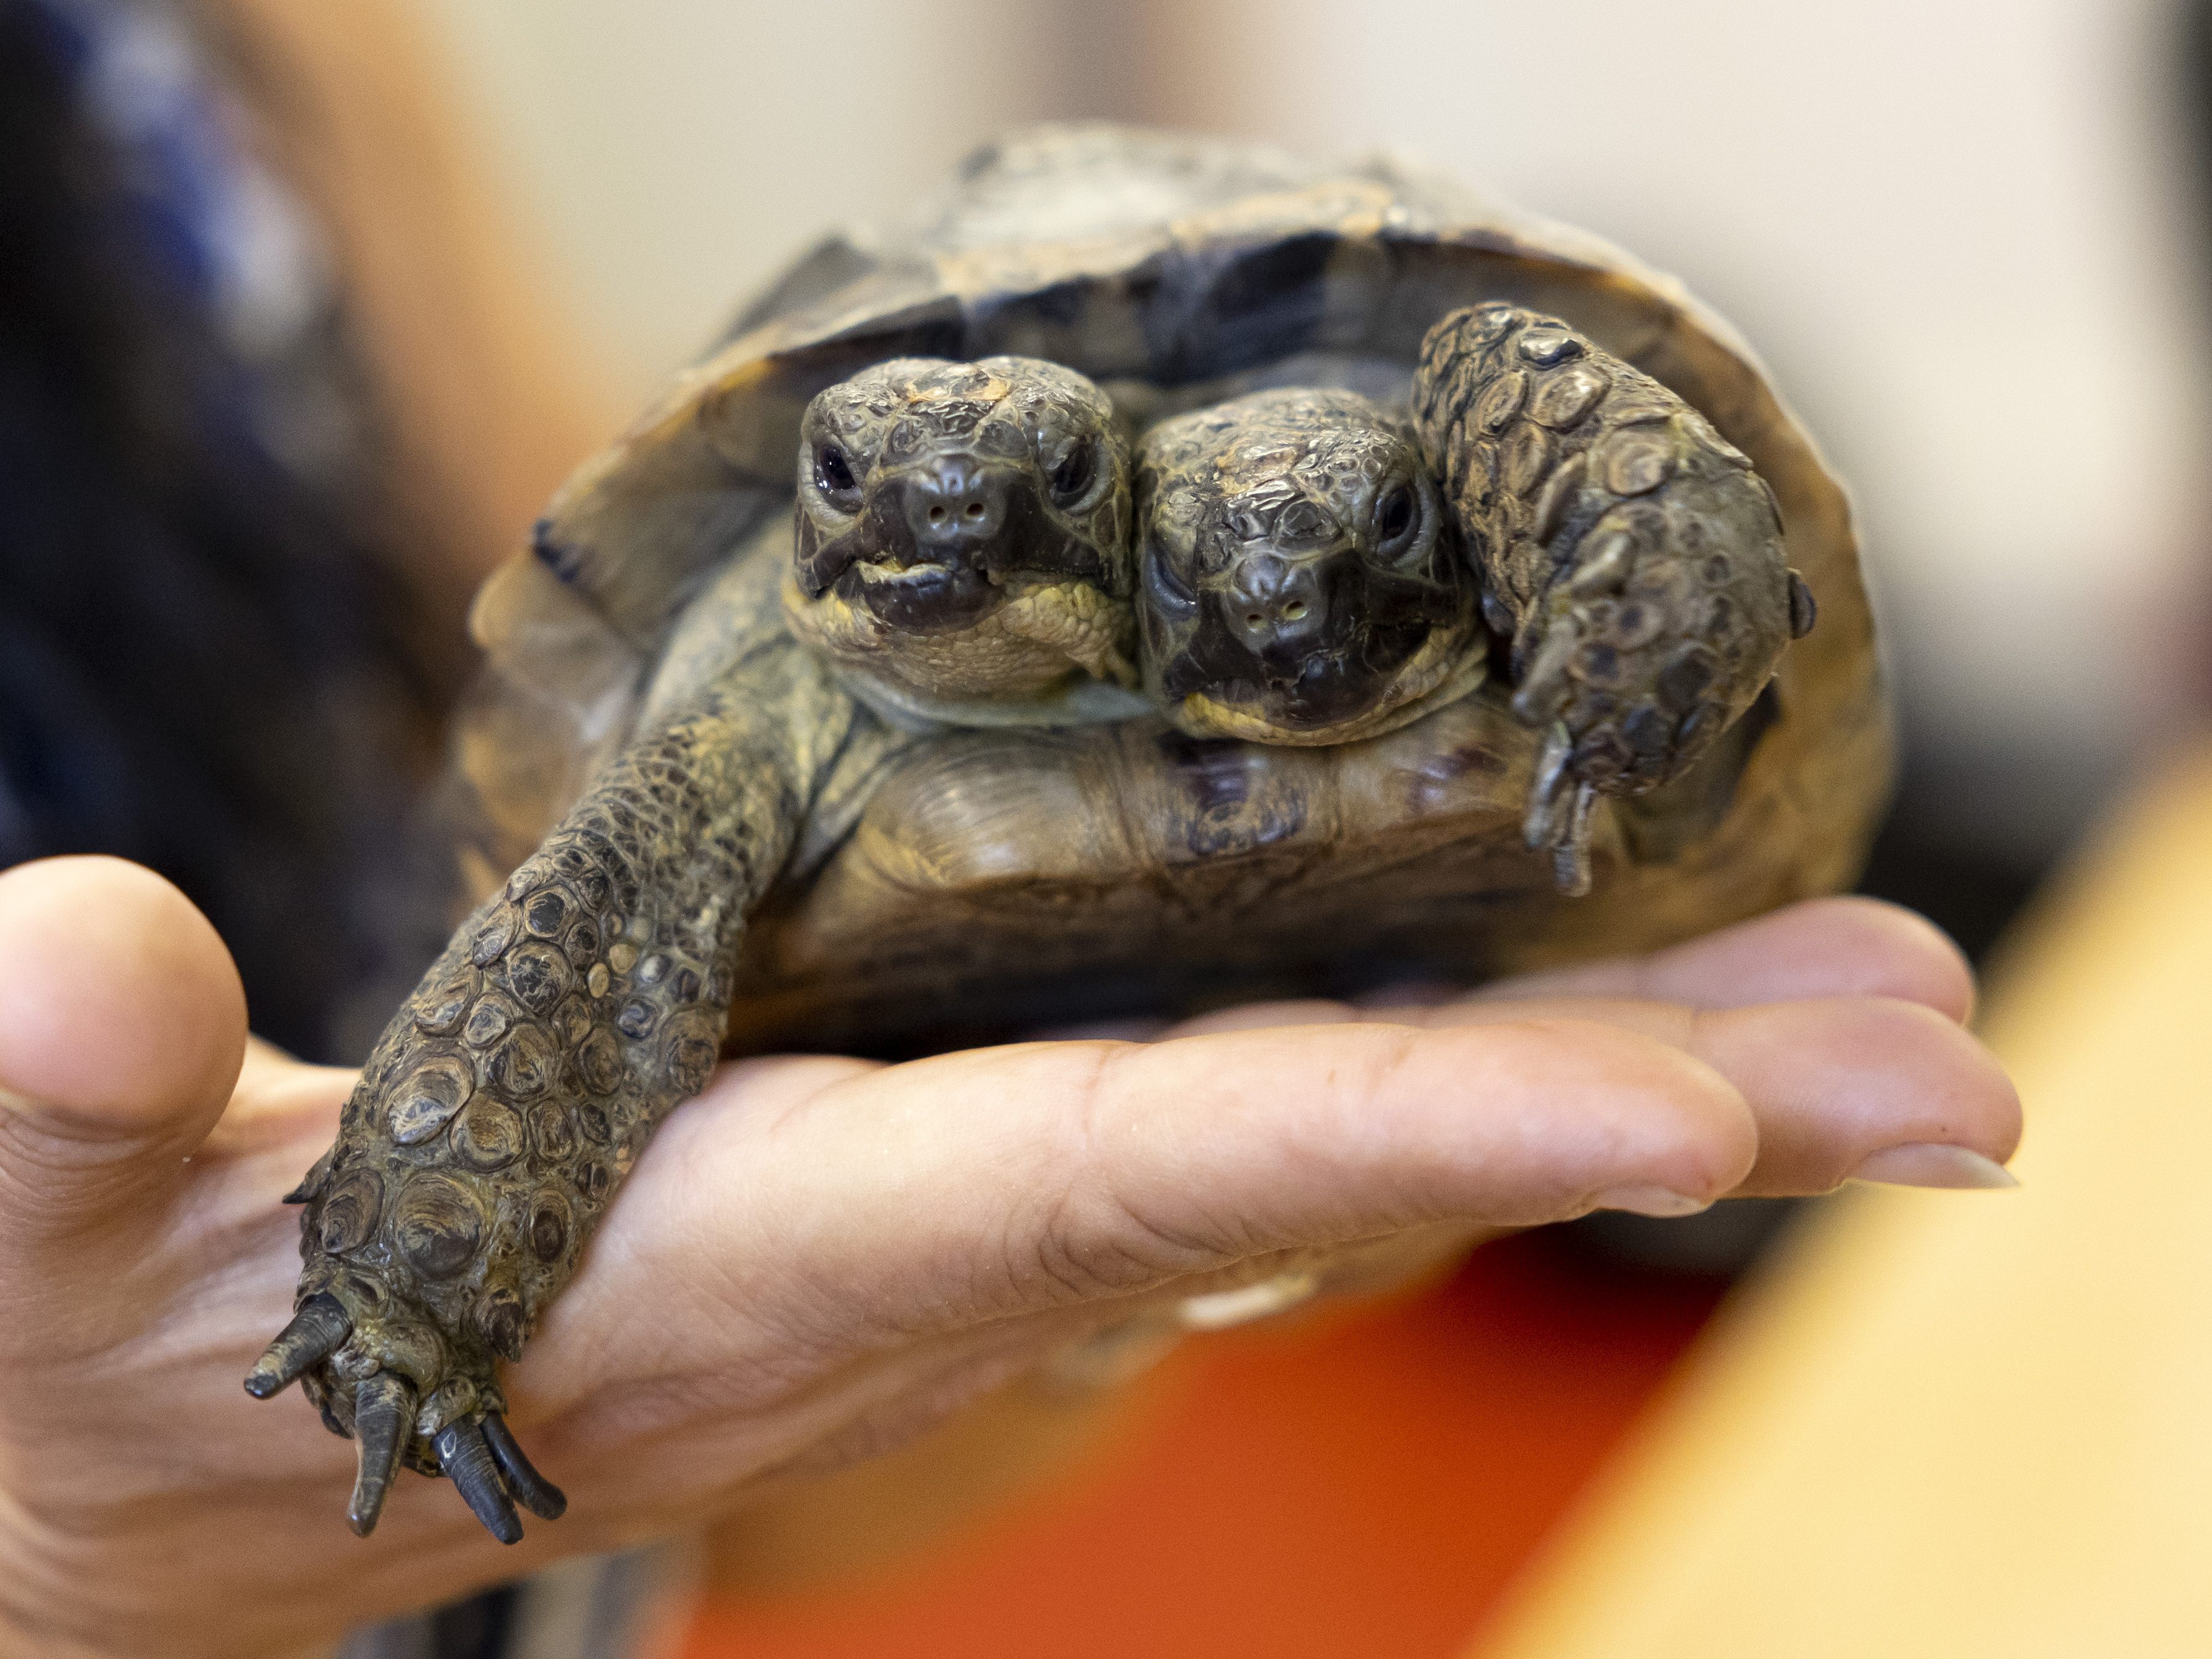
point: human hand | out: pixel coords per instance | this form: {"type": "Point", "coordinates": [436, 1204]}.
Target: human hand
{"type": "Point", "coordinates": [817, 1257]}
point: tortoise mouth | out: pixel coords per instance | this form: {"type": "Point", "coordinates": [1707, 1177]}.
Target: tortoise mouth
{"type": "Point", "coordinates": [1379, 639]}
{"type": "Point", "coordinates": [1325, 688]}
{"type": "Point", "coordinates": [920, 599]}
{"type": "Point", "coordinates": [920, 564]}
{"type": "Point", "coordinates": [1381, 679]}
{"type": "Point", "coordinates": [1330, 687]}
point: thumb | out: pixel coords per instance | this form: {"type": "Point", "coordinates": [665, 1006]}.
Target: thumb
{"type": "Point", "coordinates": [122, 1031]}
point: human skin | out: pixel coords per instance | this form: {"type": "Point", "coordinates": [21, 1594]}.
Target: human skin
{"type": "Point", "coordinates": [817, 1258]}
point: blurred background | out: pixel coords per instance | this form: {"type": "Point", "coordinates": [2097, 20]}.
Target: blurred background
{"type": "Point", "coordinates": [423, 256]}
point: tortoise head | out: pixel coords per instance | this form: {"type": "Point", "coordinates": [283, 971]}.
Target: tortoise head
{"type": "Point", "coordinates": [1301, 579]}
{"type": "Point", "coordinates": [963, 532]}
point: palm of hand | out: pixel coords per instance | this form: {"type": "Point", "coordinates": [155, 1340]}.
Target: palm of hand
{"type": "Point", "coordinates": [817, 1257]}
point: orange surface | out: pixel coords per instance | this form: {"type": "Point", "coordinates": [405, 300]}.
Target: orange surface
{"type": "Point", "coordinates": [1363, 1484]}
{"type": "Point", "coordinates": [1964, 1426]}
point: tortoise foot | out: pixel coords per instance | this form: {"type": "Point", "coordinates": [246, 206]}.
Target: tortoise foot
{"type": "Point", "coordinates": [1639, 664]}
{"type": "Point", "coordinates": [363, 1352]}
{"type": "Point", "coordinates": [1630, 551]}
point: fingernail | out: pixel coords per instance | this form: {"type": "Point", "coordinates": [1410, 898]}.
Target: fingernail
{"type": "Point", "coordinates": [1931, 1163]}
{"type": "Point", "coordinates": [1649, 1200]}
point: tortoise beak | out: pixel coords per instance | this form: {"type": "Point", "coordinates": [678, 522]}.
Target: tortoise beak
{"type": "Point", "coordinates": [935, 544]}
{"type": "Point", "coordinates": [1306, 643]}
{"type": "Point", "coordinates": [930, 598]}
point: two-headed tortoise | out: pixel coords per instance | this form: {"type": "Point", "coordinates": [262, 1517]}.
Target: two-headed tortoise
{"type": "Point", "coordinates": [1171, 572]}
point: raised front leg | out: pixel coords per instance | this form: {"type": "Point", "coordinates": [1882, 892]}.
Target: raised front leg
{"type": "Point", "coordinates": [506, 1103]}
{"type": "Point", "coordinates": [1627, 550]}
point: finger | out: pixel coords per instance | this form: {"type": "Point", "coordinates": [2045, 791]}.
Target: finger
{"type": "Point", "coordinates": [1268, 1016]}
{"type": "Point", "coordinates": [1832, 1082]}
{"type": "Point", "coordinates": [1837, 1081]}
{"type": "Point", "coordinates": [1836, 947]}
{"type": "Point", "coordinates": [1833, 947]}
{"type": "Point", "coordinates": [1001, 1181]}
{"type": "Point", "coordinates": [122, 1029]}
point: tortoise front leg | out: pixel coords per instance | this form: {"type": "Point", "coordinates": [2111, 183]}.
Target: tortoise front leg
{"type": "Point", "coordinates": [1629, 551]}
{"type": "Point", "coordinates": [508, 1098]}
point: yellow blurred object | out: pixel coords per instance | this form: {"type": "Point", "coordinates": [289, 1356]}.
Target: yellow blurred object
{"type": "Point", "coordinates": [1961, 1425]}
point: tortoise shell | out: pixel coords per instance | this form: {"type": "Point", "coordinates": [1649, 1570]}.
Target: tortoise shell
{"type": "Point", "coordinates": [957, 886]}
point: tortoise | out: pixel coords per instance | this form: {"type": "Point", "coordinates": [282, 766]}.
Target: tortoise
{"type": "Point", "coordinates": [1169, 571]}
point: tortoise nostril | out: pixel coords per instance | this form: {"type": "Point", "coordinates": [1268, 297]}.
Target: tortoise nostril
{"type": "Point", "coordinates": [956, 505]}
{"type": "Point", "coordinates": [1252, 619]}
{"type": "Point", "coordinates": [1294, 610]}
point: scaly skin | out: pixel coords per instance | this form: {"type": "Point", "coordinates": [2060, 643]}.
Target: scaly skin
{"type": "Point", "coordinates": [1299, 582]}
{"type": "Point", "coordinates": [510, 1096]}
{"type": "Point", "coordinates": [1627, 550]}
{"type": "Point", "coordinates": [974, 516]}
{"type": "Point", "coordinates": [963, 541]}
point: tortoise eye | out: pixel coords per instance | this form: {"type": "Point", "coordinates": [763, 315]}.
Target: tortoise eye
{"type": "Point", "coordinates": [833, 477]}
{"type": "Point", "coordinates": [1395, 516]}
{"type": "Point", "coordinates": [1072, 477]}
{"type": "Point", "coordinates": [1168, 589]}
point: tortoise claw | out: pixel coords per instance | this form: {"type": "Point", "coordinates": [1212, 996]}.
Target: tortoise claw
{"type": "Point", "coordinates": [1558, 817]}
{"type": "Point", "coordinates": [1539, 828]}
{"type": "Point", "coordinates": [1605, 566]}
{"type": "Point", "coordinates": [1804, 610]}
{"type": "Point", "coordinates": [393, 1341]}
{"type": "Point", "coordinates": [467, 1462]}
{"type": "Point", "coordinates": [383, 1419]}
{"type": "Point", "coordinates": [535, 1492]}
{"type": "Point", "coordinates": [318, 1330]}
{"type": "Point", "coordinates": [1544, 687]}
{"type": "Point", "coordinates": [1571, 852]}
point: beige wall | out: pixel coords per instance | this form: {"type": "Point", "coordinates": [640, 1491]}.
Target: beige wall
{"type": "Point", "coordinates": [677, 151]}
{"type": "Point", "coordinates": [1953, 228]}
